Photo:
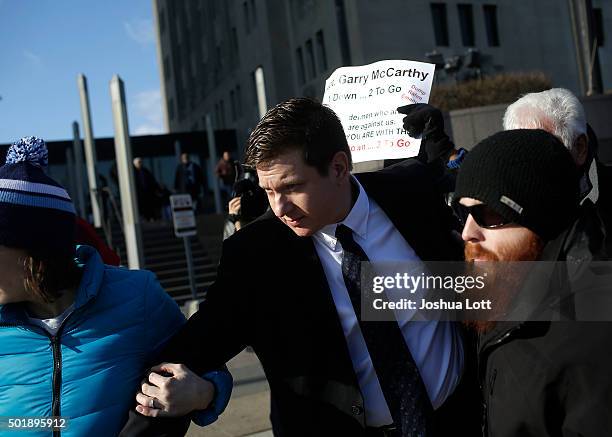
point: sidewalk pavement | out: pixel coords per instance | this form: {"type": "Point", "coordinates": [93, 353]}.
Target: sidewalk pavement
{"type": "Point", "coordinates": [248, 412]}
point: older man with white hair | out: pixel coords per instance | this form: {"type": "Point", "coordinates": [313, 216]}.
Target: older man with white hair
{"type": "Point", "coordinates": [559, 112]}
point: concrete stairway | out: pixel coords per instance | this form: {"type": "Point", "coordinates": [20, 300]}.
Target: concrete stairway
{"type": "Point", "coordinates": [164, 255]}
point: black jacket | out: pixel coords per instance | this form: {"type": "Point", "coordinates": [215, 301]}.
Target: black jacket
{"type": "Point", "coordinates": [544, 378]}
{"type": "Point", "coordinates": [182, 182]}
{"type": "Point", "coordinates": [604, 203]}
{"type": "Point", "coordinates": [271, 293]}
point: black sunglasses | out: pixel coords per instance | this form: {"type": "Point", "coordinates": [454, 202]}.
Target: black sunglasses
{"type": "Point", "coordinates": [483, 215]}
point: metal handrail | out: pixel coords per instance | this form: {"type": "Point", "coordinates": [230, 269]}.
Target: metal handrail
{"type": "Point", "coordinates": [106, 225]}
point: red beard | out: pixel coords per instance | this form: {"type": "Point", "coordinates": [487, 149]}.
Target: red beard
{"type": "Point", "coordinates": [502, 286]}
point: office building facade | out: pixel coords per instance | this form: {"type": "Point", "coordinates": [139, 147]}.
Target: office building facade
{"type": "Point", "coordinates": [209, 50]}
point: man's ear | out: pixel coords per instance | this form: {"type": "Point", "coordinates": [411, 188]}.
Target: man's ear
{"type": "Point", "coordinates": [339, 166]}
{"type": "Point", "coordinates": [580, 150]}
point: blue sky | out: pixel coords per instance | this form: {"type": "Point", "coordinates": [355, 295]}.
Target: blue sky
{"type": "Point", "coordinates": [45, 44]}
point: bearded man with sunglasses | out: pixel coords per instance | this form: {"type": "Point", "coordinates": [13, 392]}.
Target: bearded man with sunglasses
{"type": "Point", "coordinates": [517, 194]}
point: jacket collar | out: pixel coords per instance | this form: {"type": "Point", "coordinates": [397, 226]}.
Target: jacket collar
{"type": "Point", "coordinates": [90, 262]}
{"type": "Point", "coordinates": [93, 273]}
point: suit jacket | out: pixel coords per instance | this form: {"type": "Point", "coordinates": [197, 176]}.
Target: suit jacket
{"type": "Point", "coordinates": [271, 293]}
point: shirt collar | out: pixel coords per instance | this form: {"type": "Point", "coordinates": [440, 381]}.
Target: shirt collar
{"type": "Point", "coordinates": [356, 220]}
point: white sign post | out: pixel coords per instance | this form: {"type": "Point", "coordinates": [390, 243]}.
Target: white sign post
{"type": "Point", "coordinates": [185, 227]}
{"type": "Point", "coordinates": [366, 99]}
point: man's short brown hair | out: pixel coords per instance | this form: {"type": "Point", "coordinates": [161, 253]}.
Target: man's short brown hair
{"type": "Point", "coordinates": [298, 124]}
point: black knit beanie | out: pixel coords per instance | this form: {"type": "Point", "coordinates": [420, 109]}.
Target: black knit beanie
{"type": "Point", "coordinates": [527, 176]}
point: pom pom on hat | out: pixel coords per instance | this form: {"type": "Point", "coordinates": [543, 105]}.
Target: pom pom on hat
{"type": "Point", "coordinates": [28, 149]}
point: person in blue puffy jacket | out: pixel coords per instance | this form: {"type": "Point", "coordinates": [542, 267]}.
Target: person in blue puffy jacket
{"type": "Point", "coordinates": [75, 334]}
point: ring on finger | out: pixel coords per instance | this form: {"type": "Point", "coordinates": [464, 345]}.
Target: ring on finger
{"type": "Point", "coordinates": [151, 402]}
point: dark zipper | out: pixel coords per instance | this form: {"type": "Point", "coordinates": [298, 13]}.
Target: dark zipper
{"type": "Point", "coordinates": [56, 347]}
{"type": "Point", "coordinates": [480, 359]}
{"type": "Point", "coordinates": [57, 379]}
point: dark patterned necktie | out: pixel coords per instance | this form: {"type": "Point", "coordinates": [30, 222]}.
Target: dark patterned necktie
{"type": "Point", "coordinates": [396, 370]}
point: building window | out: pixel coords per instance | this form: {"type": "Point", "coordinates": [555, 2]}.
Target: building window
{"type": "Point", "coordinates": [490, 16]}
{"type": "Point", "coordinates": [162, 21]}
{"type": "Point", "coordinates": [598, 26]}
{"type": "Point", "coordinates": [322, 55]}
{"type": "Point", "coordinates": [345, 48]}
{"type": "Point", "coordinates": [247, 18]}
{"type": "Point", "coordinates": [204, 80]}
{"type": "Point", "coordinates": [254, 88]}
{"type": "Point", "coordinates": [171, 109]}
{"type": "Point", "coordinates": [440, 23]}
{"type": "Point", "coordinates": [466, 23]}
{"type": "Point", "coordinates": [204, 47]}
{"type": "Point", "coordinates": [238, 101]}
{"type": "Point", "coordinates": [167, 70]}
{"type": "Point", "coordinates": [233, 104]}
{"type": "Point", "coordinates": [235, 41]}
{"type": "Point", "coordinates": [312, 69]}
{"type": "Point", "coordinates": [301, 70]}
{"type": "Point", "coordinates": [219, 115]}
{"type": "Point", "coordinates": [222, 113]}
{"type": "Point", "coordinates": [193, 70]}
{"type": "Point", "coordinates": [253, 13]}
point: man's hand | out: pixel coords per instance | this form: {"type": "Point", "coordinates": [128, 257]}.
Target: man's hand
{"type": "Point", "coordinates": [426, 120]}
{"type": "Point", "coordinates": [234, 206]}
{"type": "Point", "coordinates": [172, 390]}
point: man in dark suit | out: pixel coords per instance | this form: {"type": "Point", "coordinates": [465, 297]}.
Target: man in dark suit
{"type": "Point", "coordinates": [288, 285]}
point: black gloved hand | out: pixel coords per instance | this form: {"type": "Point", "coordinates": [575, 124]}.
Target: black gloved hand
{"type": "Point", "coordinates": [427, 121]}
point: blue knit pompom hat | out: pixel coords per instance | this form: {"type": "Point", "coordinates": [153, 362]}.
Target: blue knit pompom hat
{"type": "Point", "coordinates": [36, 212]}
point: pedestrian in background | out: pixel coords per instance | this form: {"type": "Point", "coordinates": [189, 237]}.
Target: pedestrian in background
{"type": "Point", "coordinates": [226, 172]}
{"type": "Point", "coordinates": [189, 179]}
{"type": "Point", "coordinates": [148, 191]}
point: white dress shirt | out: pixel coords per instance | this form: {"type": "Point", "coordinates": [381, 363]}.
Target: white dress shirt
{"type": "Point", "coordinates": [435, 346]}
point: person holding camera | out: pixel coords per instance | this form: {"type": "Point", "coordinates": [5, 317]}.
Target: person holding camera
{"type": "Point", "coordinates": [248, 202]}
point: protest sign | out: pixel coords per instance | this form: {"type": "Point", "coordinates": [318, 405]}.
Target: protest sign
{"type": "Point", "coordinates": [366, 98]}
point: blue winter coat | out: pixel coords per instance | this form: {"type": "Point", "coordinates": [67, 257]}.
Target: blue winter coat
{"type": "Point", "coordinates": [94, 366]}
